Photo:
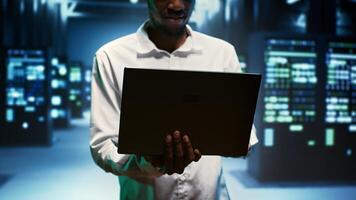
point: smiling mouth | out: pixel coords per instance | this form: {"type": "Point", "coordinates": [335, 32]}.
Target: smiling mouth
{"type": "Point", "coordinates": [175, 17]}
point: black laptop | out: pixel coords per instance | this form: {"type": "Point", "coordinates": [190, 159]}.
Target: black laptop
{"type": "Point", "coordinates": [215, 109]}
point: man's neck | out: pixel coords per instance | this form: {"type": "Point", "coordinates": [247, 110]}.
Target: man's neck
{"type": "Point", "coordinates": [166, 41]}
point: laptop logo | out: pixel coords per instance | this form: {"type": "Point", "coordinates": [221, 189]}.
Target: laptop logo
{"type": "Point", "coordinates": [191, 98]}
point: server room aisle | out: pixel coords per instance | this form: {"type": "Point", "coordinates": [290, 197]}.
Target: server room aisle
{"type": "Point", "coordinates": [242, 186]}
{"type": "Point", "coordinates": [63, 171]}
{"type": "Point", "coordinates": [66, 171]}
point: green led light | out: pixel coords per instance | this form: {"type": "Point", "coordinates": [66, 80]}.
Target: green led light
{"type": "Point", "coordinates": [268, 137]}
{"type": "Point", "coordinates": [292, 54]}
{"type": "Point", "coordinates": [270, 119]}
{"type": "Point", "coordinates": [284, 99]}
{"type": "Point", "coordinates": [282, 119]}
{"type": "Point", "coordinates": [72, 97]}
{"type": "Point", "coordinates": [273, 99]}
{"type": "Point", "coordinates": [343, 56]}
{"type": "Point", "coordinates": [311, 143]}
{"type": "Point", "coordinates": [329, 137]}
{"type": "Point", "coordinates": [296, 127]}
{"type": "Point", "coordinates": [270, 112]}
{"type": "Point", "coordinates": [310, 113]}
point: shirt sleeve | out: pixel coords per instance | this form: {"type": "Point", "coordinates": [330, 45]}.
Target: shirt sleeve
{"type": "Point", "coordinates": [233, 65]}
{"type": "Point", "coordinates": [104, 125]}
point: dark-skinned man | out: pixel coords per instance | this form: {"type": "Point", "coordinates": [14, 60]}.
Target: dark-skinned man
{"type": "Point", "coordinates": [164, 41]}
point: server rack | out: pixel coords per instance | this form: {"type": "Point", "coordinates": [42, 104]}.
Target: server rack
{"type": "Point", "coordinates": [25, 97]}
{"type": "Point", "coordinates": [297, 142]}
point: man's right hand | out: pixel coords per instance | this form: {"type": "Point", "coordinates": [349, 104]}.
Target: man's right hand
{"type": "Point", "coordinates": [178, 153]}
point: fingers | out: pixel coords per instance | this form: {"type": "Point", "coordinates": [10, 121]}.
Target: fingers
{"type": "Point", "coordinates": [169, 155]}
{"type": "Point", "coordinates": [197, 155]}
{"type": "Point", "coordinates": [189, 153]}
{"type": "Point", "coordinates": [178, 153]}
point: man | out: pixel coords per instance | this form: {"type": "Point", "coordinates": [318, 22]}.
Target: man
{"type": "Point", "coordinates": [164, 41]}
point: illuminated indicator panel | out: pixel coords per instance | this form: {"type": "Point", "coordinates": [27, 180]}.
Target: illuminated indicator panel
{"type": "Point", "coordinates": [59, 93]}
{"type": "Point", "coordinates": [290, 81]}
{"type": "Point", "coordinates": [340, 98]}
{"type": "Point", "coordinates": [289, 101]}
{"type": "Point", "coordinates": [76, 90]}
{"type": "Point", "coordinates": [26, 87]}
{"type": "Point", "coordinates": [341, 84]}
{"type": "Point", "coordinates": [87, 88]}
{"type": "Point", "coordinates": [307, 122]}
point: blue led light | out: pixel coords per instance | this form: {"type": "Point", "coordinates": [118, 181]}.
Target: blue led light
{"type": "Point", "coordinates": [54, 61]}
{"type": "Point", "coordinates": [9, 115]}
{"type": "Point", "coordinates": [30, 109]}
{"type": "Point", "coordinates": [31, 99]}
{"type": "Point", "coordinates": [54, 113]}
{"type": "Point", "coordinates": [41, 119]}
{"type": "Point", "coordinates": [25, 125]}
{"type": "Point", "coordinates": [352, 128]}
{"type": "Point", "coordinates": [16, 96]}
{"type": "Point", "coordinates": [34, 73]}
{"type": "Point", "coordinates": [349, 152]}
{"type": "Point", "coordinates": [54, 84]}
{"type": "Point", "coordinates": [88, 75]}
{"type": "Point", "coordinates": [56, 100]}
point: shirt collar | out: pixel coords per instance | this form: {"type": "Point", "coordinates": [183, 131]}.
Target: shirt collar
{"type": "Point", "coordinates": [146, 46]}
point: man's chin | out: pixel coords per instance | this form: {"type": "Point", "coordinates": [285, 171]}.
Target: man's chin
{"type": "Point", "coordinates": [174, 30]}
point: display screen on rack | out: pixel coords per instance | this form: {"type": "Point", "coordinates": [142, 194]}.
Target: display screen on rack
{"type": "Point", "coordinates": [290, 86]}
{"type": "Point", "coordinates": [26, 88]}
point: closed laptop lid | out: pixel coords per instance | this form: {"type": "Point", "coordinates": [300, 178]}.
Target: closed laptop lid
{"type": "Point", "coordinates": [214, 109]}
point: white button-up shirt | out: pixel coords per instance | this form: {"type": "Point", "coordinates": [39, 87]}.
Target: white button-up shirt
{"type": "Point", "coordinates": [137, 177]}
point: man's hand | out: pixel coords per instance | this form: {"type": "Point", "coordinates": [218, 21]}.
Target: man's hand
{"type": "Point", "coordinates": [178, 154]}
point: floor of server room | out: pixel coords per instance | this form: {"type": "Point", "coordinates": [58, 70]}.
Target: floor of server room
{"type": "Point", "coordinates": [66, 171]}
